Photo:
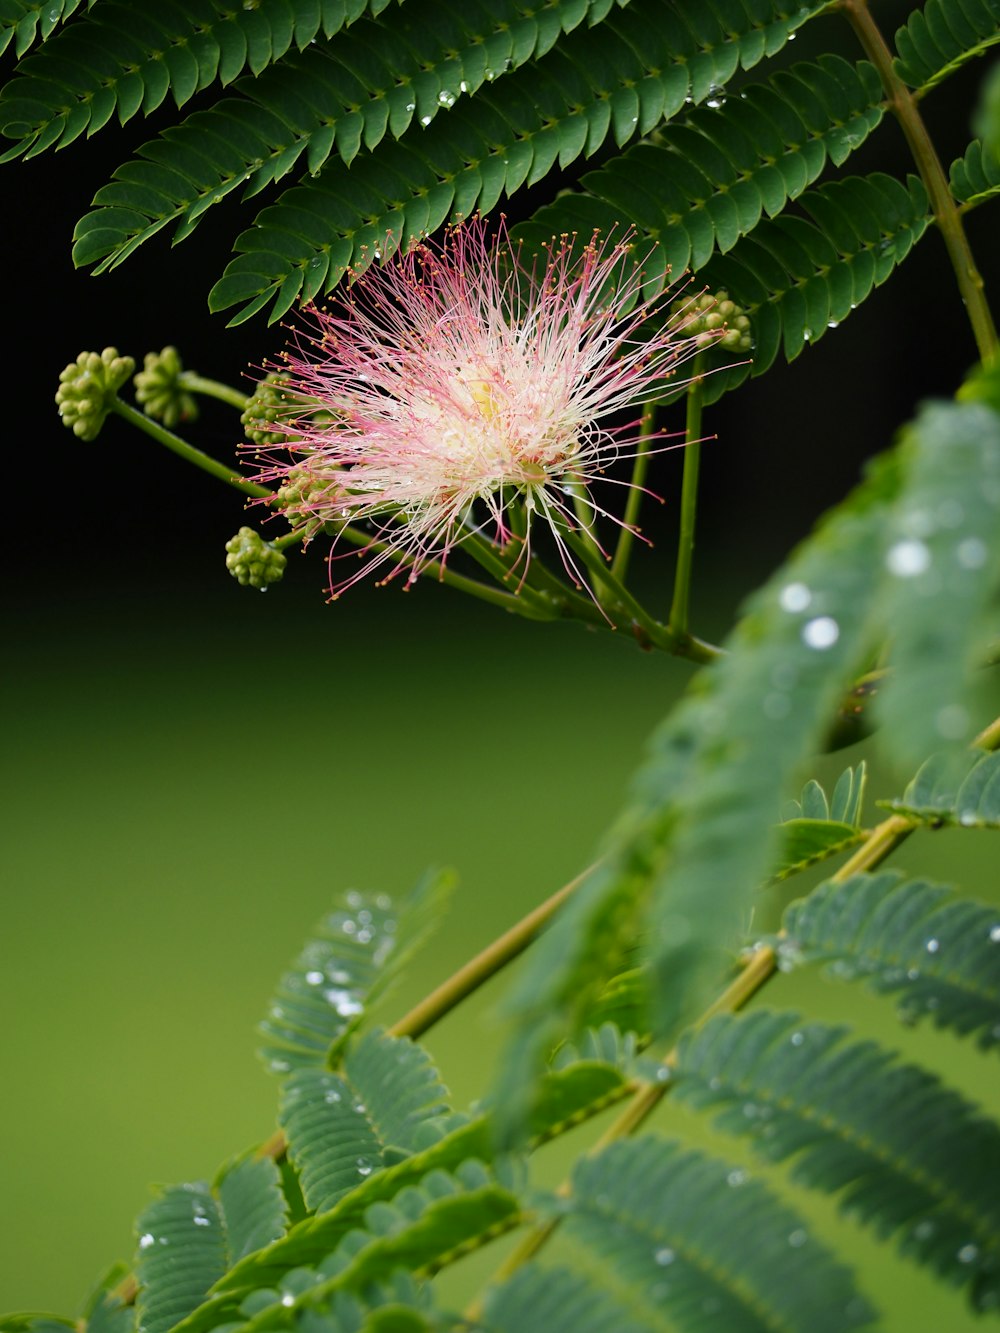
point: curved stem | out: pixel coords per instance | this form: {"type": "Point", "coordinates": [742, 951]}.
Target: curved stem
{"type": "Point", "coordinates": [187, 379]}
{"type": "Point", "coordinates": [486, 555]}
{"type": "Point", "coordinates": [640, 466]}
{"type": "Point", "coordinates": [946, 211]}
{"type": "Point", "coordinates": [486, 964]}
{"type": "Point", "coordinates": [679, 607]}
{"type": "Point", "coordinates": [188, 452]}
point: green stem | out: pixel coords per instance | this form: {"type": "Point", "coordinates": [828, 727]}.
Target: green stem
{"type": "Point", "coordinates": [946, 212]}
{"type": "Point", "coordinates": [487, 555]}
{"type": "Point", "coordinates": [187, 379]}
{"type": "Point", "coordinates": [680, 606]}
{"type": "Point", "coordinates": [485, 965]}
{"type": "Point", "coordinates": [640, 466]}
{"type": "Point", "coordinates": [187, 451]}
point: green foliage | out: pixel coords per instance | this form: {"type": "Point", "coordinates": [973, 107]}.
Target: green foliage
{"type": "Point", "coordinates": [976, 176]}
{"type": "Point", "coordinates": [354, 956]}
{"type": "Point", "coordinates": [938, 39]}
{"type": "Point", "coordinates": [816, 826]}
{"type": "Point", "coordinates": [959, 789]}
{"type": "Point", "coordinates": [657, 1221]}
{"type": "Point", "coordinates": [943, 575]}
{"type": "Point", "coordinates": [939, 953]}
{"type": "Point", "coordinates": [905, 1155]}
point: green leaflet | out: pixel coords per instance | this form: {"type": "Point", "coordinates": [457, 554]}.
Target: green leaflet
{"type": "Point", "coordinates": [905, 1154]}
{"type": "Point", "coordinates": [123, 58]}
{"type": "Point", "coordinates": [621, 77]}
{"type": "Point", "coordinates": [939, 954]}
{"type": "Point", "coordinates": [190, 1235]}
{"type": "Point", "coordinates": [564, 1097]}
{"type": "Point", "coordinates": [353, 957]}
{"type": "Point", "coordinates": [942, 563]}
{"type": "Point", "coordinates": [557, 1300]}
{"type": "Point", "coordinates": [975, 177]}
{"type": "Point", "coordinates": [342, 1127]}
{"type": "Point", "coordinates": [796, 279]}
{"type": "Point", "coordinates": [960, 788]}
{"type": "Point", "coordinates": [817, 826]}
{"type": "Point", "coordinates": [22, 21]}
{"type": "Point", "coordinates": [940, 38]}
{"type": "Point", "coordinates": [422, 1229]}
{"type": "Point", "coordinates": [702, 182]}
{"type": "Point", "coordinates": [656, 1222]}
{"type": "Point", "coordinates": [29, 1321]}
{"type": "Point", "coordinates": [378, 78]}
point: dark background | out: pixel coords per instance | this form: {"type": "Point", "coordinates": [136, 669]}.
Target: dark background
{"type": "Point", "coordinates": [191, 770]}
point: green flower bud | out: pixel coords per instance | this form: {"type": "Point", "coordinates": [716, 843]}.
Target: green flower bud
{"type": "Point", "coordinates": [714, 319]}
{"type": "Point", "coordinates": [299, 498]}
{"type": "Point", "coordinates": [88, 387]}
{"type": "Point", "coordinates": [159, 390]}
{"type": "Point", "coordinates": [253, 562]}
{"type": "Point", "coordinates": [270, 403]}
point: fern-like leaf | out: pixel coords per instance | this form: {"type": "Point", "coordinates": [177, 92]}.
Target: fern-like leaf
{"type": "Point", "coordinates": [940, 954]}
{"type": "Point", "coordinates": [906, 1155]}
{"type": "Point", "coordinates": [657, 1221]}
{"type": "Point", "coordinates": [342, 1127]}
{"type": "Point", "coordinates": [960, 789]}
{"type": "Point", "coordinates": [943, 566]}
{"type": "Point", "coordinates": [975, 177]}
{"type": "Point", "coordinates": [703, 182]}
{"type": "Point", "coordinates": [816, 826]}
{"type": "Point", "coordinates": [191, 1235]}
{"type": "Point", "coordinates": [21, 21]}
{"type": "Point", "coordinates": [355, 954]}
{"type": "Point", "coordinates": [621, 76]}
{"type": "Point", "coordinates": [940, 38]}
{"type": "Point", "coordinates": [124, 59]}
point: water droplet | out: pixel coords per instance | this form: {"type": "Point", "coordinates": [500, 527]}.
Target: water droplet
{"type": "Point", "coordinates": [200, 1220]}
{"type": "Point", "coordinates": [972, 553]}
{"type": "Point", "coordinates": [908, 558]}
{"type": "Point", "coordinates": [821, 633]}
{"type": "Point", "coordinates": [447, 98]}
{"type": "Point", "coordinates": [314, 978]}
{"type": "Point", "coordinates": [145, 1241]}
{"type": "Point", "coordinates": [340, 977]}
{"type": "Point", "coordinates": [344, 1001]}
{"type": "Point", "coordinates": [288, 1299]}
{"type": "Point", "coordinates": [365, 936]}
{"type": "Point", "coordinates": [736, 1178]}
{"type": "Point", "coordinates": [348, 926]}
{"type": "Point", "coordinates": [995, 935]}
{"type": "Point", "coordinates": [426, 120]}
{"type": "Point", "coordinates": [797, 1238]}
{"type": "Point", "coordinates": [463, 86]}
{"type": "Point", "coordinates": [411, 106]}
{"type": "Point", "coordinates": [383, 902]}
{"type": "Point", "coordinates": [331, 1097]}
{"type": "Point", "coordinates": [664, 1257]}
{"type": "Point", "coordinates": [968, 1254]}
{"type": "Point", "coordinates": [364, 1167]}
{"type": "Point", "coordinates": [797, 1038]}
{"type": "Point", "coordinates": [833, 324]}
{"type": "Point", "coordinates": [924, 1230]}
{"type": "Point", "coordinates": [932, 945]}
{"type": "Point", "coordinates": [794, 597]}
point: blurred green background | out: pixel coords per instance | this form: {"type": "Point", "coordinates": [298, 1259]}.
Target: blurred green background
{"type": "Point", "coordinates": [187, 783]}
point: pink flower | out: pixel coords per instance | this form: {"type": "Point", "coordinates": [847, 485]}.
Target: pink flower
{"type": "Point", "coordinates": [458, 384]}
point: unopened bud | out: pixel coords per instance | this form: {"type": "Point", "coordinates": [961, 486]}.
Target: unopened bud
{"type": "Point", "coordinates": [253, 562]}
{"type": "Point", "coordinates": [159, 390]}
{"type": "Point", "coordinates": [88, 387]}
{"type": "Point", "coordinates": [270, 405]}
{"type": "Point", "coordinates": [714, 319]}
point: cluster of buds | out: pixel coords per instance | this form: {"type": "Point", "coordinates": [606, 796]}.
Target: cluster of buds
{"type": "Point", "coordinates": [88, 387]}
{"type": "Point", "coordinates": [706, 315]}
{"type": "Point", "coordinates": [253, 562]}
{"type": "Point", "coordinates": [270, 406]}
{"type": "Point", "coordinates": [301, 498]}
{"type": "Point", "coordinates": [160, 390]}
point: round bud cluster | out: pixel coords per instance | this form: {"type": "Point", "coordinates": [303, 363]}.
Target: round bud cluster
{"type": "Point", "coordinates": [253, 562]}
{"type": "Point", "coordinates": [706, 315]}
{"type": "Point", "coordinates": [296, 499]}
{"type": "Point", "coordinates": [270, 406]}
{"type": "Point", "coordinates": [87, 389]}
{"type": "Point", "coordinates": [160, 391]}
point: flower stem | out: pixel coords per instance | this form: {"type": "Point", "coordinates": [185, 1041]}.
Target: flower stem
{"type": "Point", "coordinates": [485, 965]}
{"type": "Point", "coordinates": [680, 606]}
{"type": "Point", "coordinates": [188, 451]}
{"type": "Point", "coordinates": [640, 466]}
{"type": "Point", "coordinates": [486, 554]}
{"type": "Point", "coordinates": [946, 212]}
{"type": "Point", "coordinates": [187, 379]}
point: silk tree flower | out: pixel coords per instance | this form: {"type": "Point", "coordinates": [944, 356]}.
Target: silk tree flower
{"type": "Point", "coordinates": [456, 384]}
